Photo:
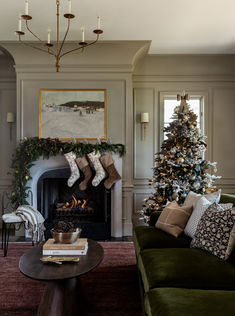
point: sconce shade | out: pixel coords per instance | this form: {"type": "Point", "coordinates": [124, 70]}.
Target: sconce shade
{"type": "Point", "coordinates": [144, 118]}
{"type": "Point", "coordinates": [10, 117]}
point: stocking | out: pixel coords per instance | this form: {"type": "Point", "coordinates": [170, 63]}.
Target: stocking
{"type": "Point", "coordinates": [113, 175]}
{"type": "Point", "coordinates": [100, 173]}
{"type": "Point", "coordinates": [83, 165]}
{"type": "Point", "coordinates": [75, 174]}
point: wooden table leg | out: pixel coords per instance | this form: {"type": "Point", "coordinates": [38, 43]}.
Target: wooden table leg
{"type": "Point", "coordinates": [62, 298]}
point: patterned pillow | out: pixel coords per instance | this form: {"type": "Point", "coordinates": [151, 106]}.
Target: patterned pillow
{"type": "Point", "coordinates": [214, 231]}
{"type": "Point", "coordinates": [199, 209]}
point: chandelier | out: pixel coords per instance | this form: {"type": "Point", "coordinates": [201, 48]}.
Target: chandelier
{"type": "Point", "coordinates": [48, 47]}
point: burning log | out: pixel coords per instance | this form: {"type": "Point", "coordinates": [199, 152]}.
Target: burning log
{"type": "Point", "coordinates": [84, 204]}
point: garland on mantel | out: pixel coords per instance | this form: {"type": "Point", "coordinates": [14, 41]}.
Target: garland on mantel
{"type": "Point", "coordinates": [30, 149]}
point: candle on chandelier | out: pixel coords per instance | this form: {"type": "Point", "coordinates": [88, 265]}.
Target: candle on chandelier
{"type": "Point", "coordinates": [19, 25]}
{"type": "Point", "coordinates": [70, 7]}
{"type": "Point", "coordinates": [83, 33]}
{"type": "Point", "coordinates": [98, 22]}
{"type": "Point", "coordinates": [26, 7]}
{"type": "Point", "coordinates": [49, 36]}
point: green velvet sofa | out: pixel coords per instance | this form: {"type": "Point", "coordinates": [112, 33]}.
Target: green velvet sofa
{"type": "Point", "coordinates": [176, 280]}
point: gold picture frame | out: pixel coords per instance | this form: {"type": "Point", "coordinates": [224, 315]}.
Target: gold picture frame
{"type": "Point", "coordinates": [70, 114]}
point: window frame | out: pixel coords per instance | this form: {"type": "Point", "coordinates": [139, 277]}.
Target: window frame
{"type": "Point", "coordinates": [173, 96]}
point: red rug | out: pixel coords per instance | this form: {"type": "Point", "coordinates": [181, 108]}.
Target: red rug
{"type": "Point", "coordinates": [111, 289]}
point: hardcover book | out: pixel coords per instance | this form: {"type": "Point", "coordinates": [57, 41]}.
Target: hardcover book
{"type": "Point", "coordinates": [79, 244]}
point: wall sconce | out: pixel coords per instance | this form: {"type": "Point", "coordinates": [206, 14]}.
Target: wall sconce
{"type": "Point", "coordinates": [10, 120]}
{"type": "Point", "coordinates": [144, 119]}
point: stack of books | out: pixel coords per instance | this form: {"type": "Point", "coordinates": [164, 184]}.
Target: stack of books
{"type": "Point", "coordinates": [78, 248]}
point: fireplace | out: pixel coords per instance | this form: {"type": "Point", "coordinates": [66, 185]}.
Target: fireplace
{"type": "Point", "coordinates": [57, 163]}
{"type": "Point", "coordinates": [89, 209]}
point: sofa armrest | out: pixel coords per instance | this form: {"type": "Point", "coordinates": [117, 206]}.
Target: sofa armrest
{"type": "Point", "coordinates": [154, 217]}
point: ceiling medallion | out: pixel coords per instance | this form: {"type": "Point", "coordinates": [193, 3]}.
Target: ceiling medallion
{"type": "Point", "coordinates": [48, 47]}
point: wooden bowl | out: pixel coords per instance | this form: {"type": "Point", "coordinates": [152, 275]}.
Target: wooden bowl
{"type": "Point", "coordinates": [66, 238]}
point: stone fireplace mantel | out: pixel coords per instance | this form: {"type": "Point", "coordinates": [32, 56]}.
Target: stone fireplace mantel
{"type": "Point", "coordinates": [59, 162]}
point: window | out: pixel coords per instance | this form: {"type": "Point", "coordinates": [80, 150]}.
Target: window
{"type": "Point", "coordinates": [170, 102]}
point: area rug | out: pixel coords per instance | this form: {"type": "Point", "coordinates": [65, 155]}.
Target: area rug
{"type": "Point", "coordinates": [110, 289]}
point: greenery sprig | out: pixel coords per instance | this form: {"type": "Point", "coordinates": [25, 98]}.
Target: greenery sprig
{"type": "Point", "coordinates": [30, 149]}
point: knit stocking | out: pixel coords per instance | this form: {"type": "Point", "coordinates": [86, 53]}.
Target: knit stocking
{"type": "Point", "coordinates": [100, 173]}
{"type": "Point", "coordinates": [75, 174]}
{"type": "Point", "coordinates": [113, 175]}
{"type": "Point", "coordinates": [83, 165]}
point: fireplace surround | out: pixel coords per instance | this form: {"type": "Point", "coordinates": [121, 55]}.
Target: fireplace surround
{"type": "Point", "coordinates": [58, 165]}
{"type": "Point", "coordinates": [89, 209]}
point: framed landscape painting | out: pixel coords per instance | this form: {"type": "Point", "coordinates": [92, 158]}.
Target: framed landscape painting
{"type": "Point", "coordinates": [73, 113]}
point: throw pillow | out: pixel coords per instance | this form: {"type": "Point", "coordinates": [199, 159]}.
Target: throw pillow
{"type": "Point", "coordinates": [199, 209]}
{"type": "Point", "coordinates": [193, 197]}
{"type": "Point", "coordinates": [213, 232]}
{"type": "Point", "coordinates": [173, 218]}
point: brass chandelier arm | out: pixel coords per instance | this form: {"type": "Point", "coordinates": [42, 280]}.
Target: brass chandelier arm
{"type": "Point", "coordinates": [27, 26]}
{"type": "Point", "coordinates": [35, 47]}
{"type": "Point", "coordinates": [79, 48]}
{"type": "Point", "coordinates": [48, 51]}
{"type": "Point", "coordinates": [65, 35]}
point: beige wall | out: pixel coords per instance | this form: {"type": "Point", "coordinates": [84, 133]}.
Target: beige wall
{"type": "Point", "coordinates": [7, 104]}
{"type": "Point", "coordinates": [212, 77]}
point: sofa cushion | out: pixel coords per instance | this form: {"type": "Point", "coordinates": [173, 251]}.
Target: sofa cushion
{"type": "Point", "coordinates": [185, 268]}
{"type": "Point", "coordinates": [146, 237]}
{"type": "Point", "coordinates": [175, 302]}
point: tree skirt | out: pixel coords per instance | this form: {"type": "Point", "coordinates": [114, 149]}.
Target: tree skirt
{"type": "Point", "coordinates": [111, 289]}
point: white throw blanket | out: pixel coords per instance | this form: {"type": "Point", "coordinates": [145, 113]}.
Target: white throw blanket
{"type": "Point", "coordinates": [33, 221]}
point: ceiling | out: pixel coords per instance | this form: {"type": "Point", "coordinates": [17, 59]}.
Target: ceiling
{"type": "Point", "coordinates": [173, 26]}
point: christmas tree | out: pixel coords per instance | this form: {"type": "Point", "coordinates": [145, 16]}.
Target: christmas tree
{"type": "Point", "coordinates": [180, 166]}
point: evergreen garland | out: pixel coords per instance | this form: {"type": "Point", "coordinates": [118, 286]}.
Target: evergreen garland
{"type": "Point", "coordinates": [30, 149]}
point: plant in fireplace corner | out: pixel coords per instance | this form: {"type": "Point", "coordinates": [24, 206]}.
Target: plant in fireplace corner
{"type": "Point", "coordinates": [30, 149]}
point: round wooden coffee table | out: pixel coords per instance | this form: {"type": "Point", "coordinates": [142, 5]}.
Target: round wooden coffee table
{"type": "Point", "coordinates": [63, 295]}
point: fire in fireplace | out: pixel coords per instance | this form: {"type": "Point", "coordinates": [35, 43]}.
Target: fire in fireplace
{"type": "Point", "coordinates": [89, 209]}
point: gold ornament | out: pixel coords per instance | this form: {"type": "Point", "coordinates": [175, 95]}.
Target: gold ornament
{"type": "Point", "coordinates": [17, 171]}
{"type": "Point", "coordinates": [191, 126]}
{"type": "Point", "coordinates": [25, 138]}
{"type": "Point", "coordinates": [27, 177]}
{"type": "Point", "coordinates": [180, 160]}
{"type": "Point", "coordinates": [13, 194]}
{"type": "Point", "coordinates": [193, 118]}
{"type": "Point", "coordinates": [185, 169]}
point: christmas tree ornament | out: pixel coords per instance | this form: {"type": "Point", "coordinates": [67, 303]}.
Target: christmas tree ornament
{"type": "Point", "coordinates": [179, 166]}
{"type": "Point", "coordinates": [180, 160]}
{"type": "Point", "coordinates": [84, 166]}
{"type": "Point", "coordinates": [75, 174]}
{"type": "Point", "coordinates": [113, 175]}
{"type": "Point", "coordinates": [100, 173]}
